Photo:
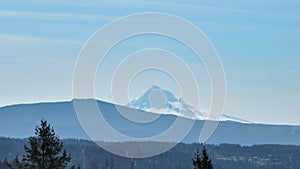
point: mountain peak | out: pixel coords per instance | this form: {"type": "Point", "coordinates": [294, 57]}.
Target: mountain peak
{"type": "Point", "coordinates": [158, 100]}
{"type": "Point", "coordinates": [161, 101]}
{"type": "Point", "coordinates": [156, 92]}
{"type": "Point", "coordinates": [154, 87]}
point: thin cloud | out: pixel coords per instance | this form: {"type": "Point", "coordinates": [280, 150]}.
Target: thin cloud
{"type": "Point", "coordinates": [52, 16]}
{"type": "Point", "coordinates": [29, 39]}
{"type": "Point", "coordinates": [217, 9]}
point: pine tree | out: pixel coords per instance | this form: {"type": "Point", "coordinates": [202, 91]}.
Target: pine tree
{"type": "Point", "coordinates": [206, 161]}
{"type": "Point", "coordinates": [133, 164]}
{"type": "Point", "coordinates": [3, 164]}
{"type": "Point", "coordinates": [45, 151]}
{"type": "Point", "coordinates": [15, 164]}
{"type": "Point", "coordinates": [197, 160]}
{"type": "Point", "coordinates": [202, 161]}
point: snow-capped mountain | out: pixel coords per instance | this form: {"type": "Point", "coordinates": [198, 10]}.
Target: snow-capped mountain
{"type": "Point", "coordinates": [157, 100]}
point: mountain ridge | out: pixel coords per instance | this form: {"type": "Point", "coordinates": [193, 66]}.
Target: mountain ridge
{"type": "Point", "coordinates": [19, 121]}
{"type": "Point", "coordinates": [99, 100]}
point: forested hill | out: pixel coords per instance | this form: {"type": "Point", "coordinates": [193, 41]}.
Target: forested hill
{"type": "Point", "coordinates": [56, 113]}
{"type": "Point", "coordinates": [224, 156]}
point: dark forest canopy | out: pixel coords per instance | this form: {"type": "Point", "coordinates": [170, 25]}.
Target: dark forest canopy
{"type": "Point", "coordinates": [88, 155]}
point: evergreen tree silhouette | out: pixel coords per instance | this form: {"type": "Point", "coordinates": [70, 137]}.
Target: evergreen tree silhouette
{"type": "Point", "coordinates": [197, 160]}
{"type": "Point", "coordinates": [202, 161]}
{"type": "Point", "coordinates": [45, 151]}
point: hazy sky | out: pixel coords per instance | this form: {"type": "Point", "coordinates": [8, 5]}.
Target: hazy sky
{"type": "Point", "coordinates": [257, 41]}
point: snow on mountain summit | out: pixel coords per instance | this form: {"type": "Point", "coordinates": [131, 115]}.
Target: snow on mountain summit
{"type": "Point", "coordinates": [155, 97]}
{"type": "Point", "coordinates": [157, 100]}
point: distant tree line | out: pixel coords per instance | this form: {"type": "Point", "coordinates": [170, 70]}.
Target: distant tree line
{"type": "Point", "coordinates": [45, 150]}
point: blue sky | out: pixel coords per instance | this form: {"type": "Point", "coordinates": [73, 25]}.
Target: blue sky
{"type": "Point", "coordinates": [257, 41]}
